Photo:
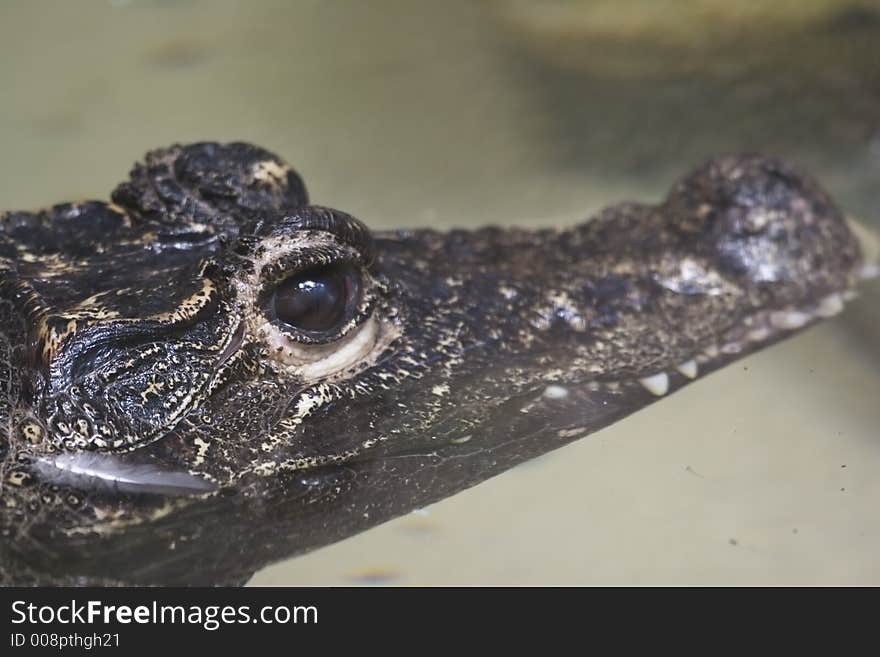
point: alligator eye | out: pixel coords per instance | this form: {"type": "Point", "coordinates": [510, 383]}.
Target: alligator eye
{"type": "Point", "coordinates": [318, 300]}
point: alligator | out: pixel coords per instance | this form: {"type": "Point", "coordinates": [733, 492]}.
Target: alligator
{"type": "Point", "coordinates": [209, 374]}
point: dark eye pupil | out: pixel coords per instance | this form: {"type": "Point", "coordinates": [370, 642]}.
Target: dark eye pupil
{"type": "Point", "coordinates": [319, 299]}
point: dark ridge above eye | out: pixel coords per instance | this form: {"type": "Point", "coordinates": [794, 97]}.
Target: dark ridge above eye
{"type": "Point", "coordinates": [318, 300]}
{"type": "Point", "coordinates": [225, 171]}
{"type": "Point", "coordinates": [210, 183]}
{"type": "Point", "coordinates": [344, 227]}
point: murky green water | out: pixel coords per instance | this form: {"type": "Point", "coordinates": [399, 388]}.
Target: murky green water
{"type": "Point", "coordinates": [460, 113]}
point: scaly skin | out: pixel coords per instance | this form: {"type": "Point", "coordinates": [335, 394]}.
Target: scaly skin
{"type": "Point", "coordinates": [161, 429]}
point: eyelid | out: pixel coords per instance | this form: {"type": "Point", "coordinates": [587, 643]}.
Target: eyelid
{"type": "Point", "coordinates": [342, 227]}
{"type": "Point", "coordinates": [297, 261]}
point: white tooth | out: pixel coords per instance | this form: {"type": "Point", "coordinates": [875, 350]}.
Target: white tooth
{"type": "Point", "coordinates": [688, 369]}
{"type": "Point", "coordinates": [830, 306]}
{"type": "Point", "coordinates": [711, 352]}
{"type": "Point", "coordinates": [789, 319]}
{"type": "Point", "coordinates": [658, 384]}
{"type": "Point", "coordinates": [759, 334]}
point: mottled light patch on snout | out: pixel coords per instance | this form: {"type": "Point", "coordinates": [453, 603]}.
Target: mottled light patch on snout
{"type": "Point", "coordinates": [692, 277]}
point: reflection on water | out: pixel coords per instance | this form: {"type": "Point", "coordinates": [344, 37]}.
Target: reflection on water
{"type": "Point", "coordinates": [458, 113]}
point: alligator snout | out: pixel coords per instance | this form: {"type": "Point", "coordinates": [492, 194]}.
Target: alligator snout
{"type": "Point", "coordinates": [770, 227]}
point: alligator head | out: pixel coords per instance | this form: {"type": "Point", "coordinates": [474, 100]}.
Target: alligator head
{"type": "Point", "coordinates": [210, 374]}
